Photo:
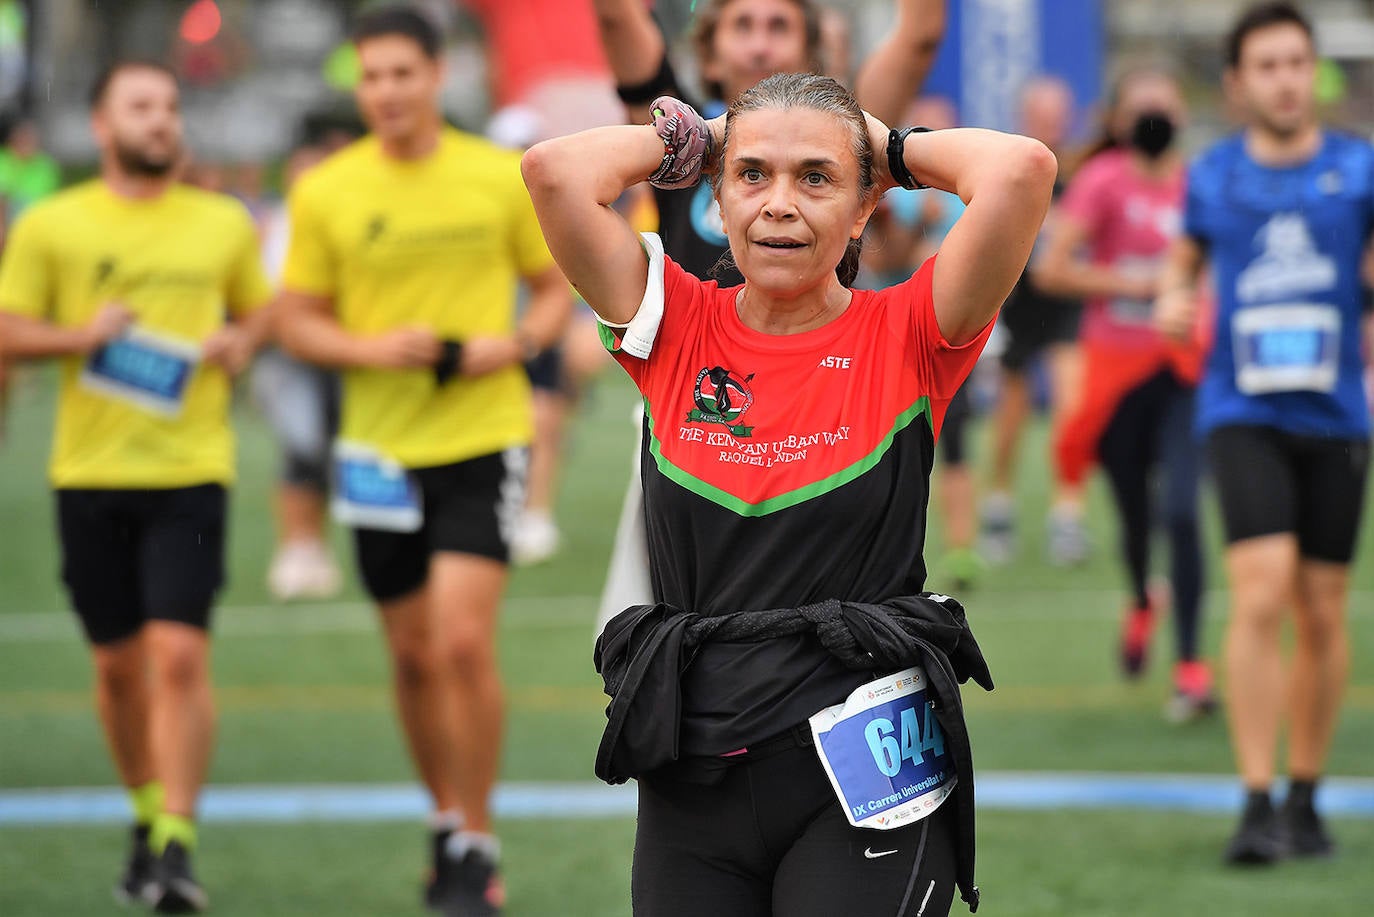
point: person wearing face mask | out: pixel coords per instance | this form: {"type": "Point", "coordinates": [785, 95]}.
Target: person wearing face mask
{"type": "Point", "coordinates": [1117, 220]}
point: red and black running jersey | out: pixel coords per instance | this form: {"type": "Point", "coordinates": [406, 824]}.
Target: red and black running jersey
{"type": "Point", "coordinates": [781, 470]}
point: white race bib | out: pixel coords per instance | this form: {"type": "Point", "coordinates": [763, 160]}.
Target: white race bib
{"type": "Point", "coordinates": [372, 491]}
{"type": "Point", "coordinates": [1286, 348]}
{"type": "Point", "coordinates": [144, 369]}
{"type": "Point", "coordinates": [884, 752]}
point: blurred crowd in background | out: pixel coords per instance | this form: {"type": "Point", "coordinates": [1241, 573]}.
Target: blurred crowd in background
{"type": "Point", "coordinates": [267, 93]}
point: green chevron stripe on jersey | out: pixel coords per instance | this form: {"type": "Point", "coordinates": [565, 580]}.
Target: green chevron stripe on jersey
{"type": "Point", "coordinates": [790, 498]}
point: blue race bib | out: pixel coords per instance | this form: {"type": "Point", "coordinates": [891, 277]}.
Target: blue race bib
{"type": "Point", "coordinates": [143, 369]}
{"type": "Point", "coordinates": [1287, 348]}
{"type": "Point", "coordinates": [372, 491]}
{"type": "Point", "coordinates": [884, 752]}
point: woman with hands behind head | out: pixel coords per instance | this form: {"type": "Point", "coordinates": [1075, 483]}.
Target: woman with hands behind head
{"type": "Point", "coordinates": [788, 445]}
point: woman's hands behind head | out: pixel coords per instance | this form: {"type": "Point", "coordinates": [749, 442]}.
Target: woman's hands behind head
{"type": "Point", "coordinates": [877, 137]}
{"type": "Point", "coordinates": [689, 144]}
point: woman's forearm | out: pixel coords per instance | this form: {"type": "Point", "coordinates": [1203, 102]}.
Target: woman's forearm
{"type": "Point", "coordinates": [594, 166]}
{"type": "Point", "coordinates": [573, 180]}
{"type": "Point", "coordinates": [963, 159]}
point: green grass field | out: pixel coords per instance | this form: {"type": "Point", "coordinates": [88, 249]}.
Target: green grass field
{"type": "Point", "coordinates": [304, 699]}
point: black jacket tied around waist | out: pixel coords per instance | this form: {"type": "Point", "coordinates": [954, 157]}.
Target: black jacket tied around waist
{"type": "Point", "coordinates": [644, 650]}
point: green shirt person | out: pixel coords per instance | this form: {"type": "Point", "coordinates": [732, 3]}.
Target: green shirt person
{"type": "Point", "coordinates": [27, 174]}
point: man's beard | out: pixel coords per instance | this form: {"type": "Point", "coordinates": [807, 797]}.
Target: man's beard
{"type": "Point", "coordinates": [1282, 128]}
{"type": "Point", "coordinates": [136, 162]}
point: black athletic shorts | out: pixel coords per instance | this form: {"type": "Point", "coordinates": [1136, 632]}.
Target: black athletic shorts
{"type": "Point", "coordinates": [1271, 482]}
{"type": "Point", "coordinates": [770, 840]}
{"type": "Point", "coordinates": [546, 370]}
{"type": "Point", "coordinates": [470, 507]}
{"type": "Point", "coordinates": [130, 556]}
{"type": "Point", "coordinates": [954, 431]}
{"type": "Point", "coordinates": [1033, 321]}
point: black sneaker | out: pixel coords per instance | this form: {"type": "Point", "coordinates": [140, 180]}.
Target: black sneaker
{"type": "Point", "coordinates": [1301, 829]}
{"type": "Point", "coordinates": [139, 882]}
{"type": "Point", "coordinates": [472, 887]}
{"type": "Point", "coordinates": [440, 869]}
{"type": "Point", "coordinates": [1256, 841]}
{"type": "Point", "coordinates": [178, 892]}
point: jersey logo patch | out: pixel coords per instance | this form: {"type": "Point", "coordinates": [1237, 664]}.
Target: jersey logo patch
{"type": "Point", "coordinates": [722, 397]}
{"type": "Point", "coordinates": [1289, 262]}
{"type": "Point", "coordinates": [375, 228]}
{"type": "Point", "coordinates": [104, 271]}
{"type": "Point", "coordinates": [1329, 182]}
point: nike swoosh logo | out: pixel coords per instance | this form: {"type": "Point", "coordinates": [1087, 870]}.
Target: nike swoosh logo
{"type": "Point", "coordinates": [868, 852]}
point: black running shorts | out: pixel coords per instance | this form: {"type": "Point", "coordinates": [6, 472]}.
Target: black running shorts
{"type": "Point", "coordinates": [546, 371]}
{"type": "Point", "coordinates": [770, 840]}
{"type": "Point", "coordinates": [1033, 321]}
{"type": "Point", "coordinates": [130, 556]}
{"type": "Point", "coordinates": [1271, 482]}
{"type": "Point", "coordinates": [954, 430]}
{"type": "Point", "coordinates": [470, 507]}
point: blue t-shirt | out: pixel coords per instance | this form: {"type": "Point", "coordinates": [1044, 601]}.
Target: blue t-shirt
{"type": "Point", "coordinates": [907, 206]}
{"type": "Point", "coordinates": [1286, 246]}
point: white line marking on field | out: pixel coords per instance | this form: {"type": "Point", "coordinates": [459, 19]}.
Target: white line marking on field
{"type": "Point", "coordinates": [570, 611]}
{"type": "Point", "coordinates": [305, 619]}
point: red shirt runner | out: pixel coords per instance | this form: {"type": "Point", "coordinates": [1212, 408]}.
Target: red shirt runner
{"type": "Point", "coordinates": [781, 470]}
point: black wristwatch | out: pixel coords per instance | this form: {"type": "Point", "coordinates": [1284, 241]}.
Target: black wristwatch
{"type": "Point", "coordinates": [896, 160]}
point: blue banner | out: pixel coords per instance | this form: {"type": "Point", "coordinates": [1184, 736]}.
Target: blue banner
{"type": "Point", "coordinates": [993, 47]}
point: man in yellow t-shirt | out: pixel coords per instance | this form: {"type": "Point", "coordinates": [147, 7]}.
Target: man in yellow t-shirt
{"type": "Point", "coordinates": [405, 252]}
{"type": "Point", "coordinates": [147, 292]}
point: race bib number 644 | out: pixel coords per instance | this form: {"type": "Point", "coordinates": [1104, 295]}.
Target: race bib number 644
{"type": "Point", "coordinates": [884, 752]}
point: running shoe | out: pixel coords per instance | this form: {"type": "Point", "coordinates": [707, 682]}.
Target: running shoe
{"type": "Point", "coordinates": [535, 539]}
{"type": "Point", "coordinates": [997, 530]}
{"type": "Point", "coordinates": [1138, 627]}
{"type": "Point", "coordinates": [439, 868]}
{"type": "Point", "coordinates": [963, 568]}
{"type": "Point", "coordinates": [1136, 631]}
{"type": "Point", "coordinates": [1257, 841]}
{"type": "Point", "coordinates": [1193, 696]}
{"type": "Point", "coordinates": [138, 885]}
{"type": "Point", "coordinates": [469, 886]}
{"type": "Point", "coordinates": [177, 891]}
{"type": "Point", "coordinates": [303, 570]}
{"type": "Point", "coordinates": [1301, 829]}
{"type": "Point", "coordinates": [1066, 539]}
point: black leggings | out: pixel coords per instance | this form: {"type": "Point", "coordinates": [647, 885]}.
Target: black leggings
{"type": "Point", "coordinates": [770, 838]}
{"type": "Point", "coordinates": [1152, 433]}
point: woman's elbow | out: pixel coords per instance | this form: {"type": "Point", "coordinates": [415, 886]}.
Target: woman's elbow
{"type": "Point", "coordinates": [1034, 168]}
{"type": "Point", "coordinates": [538, 167]}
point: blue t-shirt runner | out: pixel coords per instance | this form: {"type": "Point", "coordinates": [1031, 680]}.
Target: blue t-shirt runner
{"type": "Point", "coordinates": [1286, 246]}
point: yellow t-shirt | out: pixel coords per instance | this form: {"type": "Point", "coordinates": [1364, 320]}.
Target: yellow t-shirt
{"type": "Point", "coordinates": [438, 243]}
{"type": "Point", "coordinates": [179, 262]}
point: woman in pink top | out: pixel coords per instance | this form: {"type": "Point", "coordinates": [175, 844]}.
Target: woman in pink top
{"type": "Point", "coordinates": [1117, 220]}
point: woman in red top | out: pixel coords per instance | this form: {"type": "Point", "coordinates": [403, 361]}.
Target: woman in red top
{"type": "Point", "coordinates": [1118, 218]}
{"type": "Point", "coordinates": [789, 433]}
